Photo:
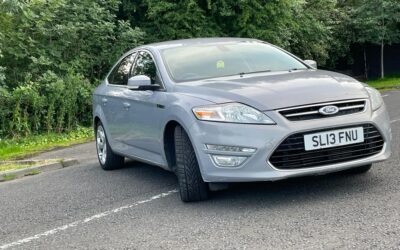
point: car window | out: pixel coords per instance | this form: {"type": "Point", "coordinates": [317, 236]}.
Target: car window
{"type": "Point", "coordinates": [145, 66]}
{"type": "Point", "coordinates": [198, 61]}
{"type": "Point", "coordinates": [120, 73]}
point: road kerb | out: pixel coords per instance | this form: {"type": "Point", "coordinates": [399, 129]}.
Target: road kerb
{"type": "Point", "coordinates": [18, 173]}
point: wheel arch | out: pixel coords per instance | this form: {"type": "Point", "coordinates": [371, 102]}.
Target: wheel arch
{"type": "Point", "coordinates": [169, 143]}
{"type": "Point", "coordinates": [96, 120]}
{"type": "Point", "coordinates": [98, 116]}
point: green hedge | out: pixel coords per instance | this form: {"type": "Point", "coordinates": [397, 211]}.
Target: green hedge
{"type": "Point", "coordinates": [51, 103]}
{"type": "Point", "coordinates": [52, 54]}
{"type": "Point", "coordinates": [51, 49]}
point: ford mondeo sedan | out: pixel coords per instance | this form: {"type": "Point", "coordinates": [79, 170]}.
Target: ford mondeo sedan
{"type": "Point", "coordinates": [222, 110]}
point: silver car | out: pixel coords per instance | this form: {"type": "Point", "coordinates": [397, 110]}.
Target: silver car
{"type": "Point", "coordinates": [222, 110]}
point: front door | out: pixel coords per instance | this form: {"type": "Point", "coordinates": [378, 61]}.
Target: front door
{"type": "Point", "coordinates": [143, 112]}
{"type": "Point", "coordinates": [115, 112]}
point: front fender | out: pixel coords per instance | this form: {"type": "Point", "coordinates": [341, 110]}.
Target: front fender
{"type": "Point", "coordinates": [180, 111]}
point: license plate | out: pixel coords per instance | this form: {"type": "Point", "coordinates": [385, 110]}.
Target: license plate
{"type": "Point", "coordinates": [333, 138]}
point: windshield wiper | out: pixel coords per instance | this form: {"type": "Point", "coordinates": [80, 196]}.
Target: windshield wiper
{"type": "Point", "coordinates": [295, 69]}
{"type": "Point", "coordinates": [254, 72]}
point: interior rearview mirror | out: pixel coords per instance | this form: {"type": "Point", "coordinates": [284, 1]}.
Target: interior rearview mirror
{"type": "Point", "coordinates": [311, 63]}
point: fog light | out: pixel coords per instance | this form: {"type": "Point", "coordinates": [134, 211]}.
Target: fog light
{"type": "Point", "coordinates": [228, 161]}
{"type": "Point", "coordinates": [230, 148]}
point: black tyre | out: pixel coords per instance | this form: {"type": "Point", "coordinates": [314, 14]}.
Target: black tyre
{"type": "Point", "coordinates": [359, 170]}
{"type": "Point", "coordinates": [191, 184]}
{"type": "Point", "coordinates": [107, 158]}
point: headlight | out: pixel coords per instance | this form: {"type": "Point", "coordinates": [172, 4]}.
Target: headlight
{"type": "Point", "coordinates": [375, 97]}
{"type": "Point", "coordinates": [231, 112]}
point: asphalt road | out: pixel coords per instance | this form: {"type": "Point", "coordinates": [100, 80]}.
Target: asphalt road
{"type": "Point", "coordinates": [138, 207]}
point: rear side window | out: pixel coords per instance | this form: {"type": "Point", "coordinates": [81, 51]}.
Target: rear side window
{"type": "Point", "coordinates": [120, 74]}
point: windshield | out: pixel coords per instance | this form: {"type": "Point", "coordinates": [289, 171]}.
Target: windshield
{"type": "Point", "coordinates": [195, 62]}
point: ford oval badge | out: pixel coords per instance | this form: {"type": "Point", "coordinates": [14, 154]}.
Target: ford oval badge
{"type": "Point", "coordinates": [328, 110]}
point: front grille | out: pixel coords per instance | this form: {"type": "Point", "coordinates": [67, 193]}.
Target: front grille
{"type": "Point", "coordinates": [312, 111]}
{"type": "Point", "coordinates": [291, 153]}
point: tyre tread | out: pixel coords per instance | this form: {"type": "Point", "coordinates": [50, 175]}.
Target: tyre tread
{"type": "Point", "coordinates": [192, 186]}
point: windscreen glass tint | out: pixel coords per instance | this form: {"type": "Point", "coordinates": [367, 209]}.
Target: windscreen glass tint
{"type": "Point", "coordinates": [195, 62]}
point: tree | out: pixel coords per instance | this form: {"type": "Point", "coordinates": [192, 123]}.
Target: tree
{"type": "Point", "coordinates": [52, 53]}
{"type": "Point", "coordinates": [169, 19]}
{"type": "Point", "coordinates": [61, 36]}
{"type": "Point", "coordinates": [306, 28]}
{"type": "Point", "coordinates": [376, 22]}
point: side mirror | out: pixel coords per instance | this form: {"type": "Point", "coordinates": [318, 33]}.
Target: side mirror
{"type": "Point", "coordinates": [311, 63]}
{"type": "Point", "coordinates": [139, 81]}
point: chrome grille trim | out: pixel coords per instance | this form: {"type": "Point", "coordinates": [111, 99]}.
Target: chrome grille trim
{"type": "Point", "coordinates": [302, 113]}
{"type": "Point", "coordinates": [352, 107]}
{"type": "Point", "coordinates": [309, 112]}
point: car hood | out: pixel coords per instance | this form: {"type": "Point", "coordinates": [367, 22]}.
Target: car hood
{"type": "Point", "coordinates": [276, 90]}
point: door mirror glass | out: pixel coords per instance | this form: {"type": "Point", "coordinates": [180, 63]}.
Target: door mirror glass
{"type": "Point", "coordinates": [139, 81]}
{"type": "Point", "coordinates": [311, 63]}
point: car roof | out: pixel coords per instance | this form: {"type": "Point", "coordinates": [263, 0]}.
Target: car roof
{"type": "Point", "coordinates": [193, 41]}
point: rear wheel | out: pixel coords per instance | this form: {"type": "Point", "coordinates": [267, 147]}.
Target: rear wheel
{"type": "Point", "coordinates": [359, 170]}
{"type": "Point", "coordinates": [191, 184]}
{"type": "Point", "coordinates": [107, 158]}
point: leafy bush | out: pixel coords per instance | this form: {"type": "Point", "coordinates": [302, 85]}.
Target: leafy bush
{"type": "Point", "coordinates": [307, 28]}
{"type": "Point", "coordinates": [52, 52]}
{"type": "Point", "coordinates": [44, 43]}
{"type": "Point", "coordinates": [49, 104]}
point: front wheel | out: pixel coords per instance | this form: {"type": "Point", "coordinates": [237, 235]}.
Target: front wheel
{"type": "Point", "coordinates": [107, 158]}
{"type": "Point", "coordinates": [191, 184]}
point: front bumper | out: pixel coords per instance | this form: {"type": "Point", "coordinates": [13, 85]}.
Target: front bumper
{"type": "Point", "coordinates": [266, 138]}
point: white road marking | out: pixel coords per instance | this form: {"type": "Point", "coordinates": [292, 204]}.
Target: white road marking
{"type": "Point", "coordinates": [81, 222]}
{"type": "Point", "coordinates": [393, 121]}
{"type": "Point", "coordinates": [385, 95]}
{"type": "Point", "coordinates": [97, 216]}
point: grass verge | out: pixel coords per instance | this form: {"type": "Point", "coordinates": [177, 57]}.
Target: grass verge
{"type": "Point", "coordinates": [387, 83]}
{"type": "Point", "coordinates": [9, 177]}
{"type": "Point", "coordinates": [11, 149]}
{"type": "Point", "coordinates": [6, 166]}
{"type": "Point", "coordinates": [33, 172]}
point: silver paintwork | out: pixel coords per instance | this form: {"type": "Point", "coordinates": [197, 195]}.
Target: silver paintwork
{"type": "Point", "coordinates": [135, 121]}
{"type": "Point", "coordinates": [137, 81]}
{"type": "Point", "coordinates": [311, 63]}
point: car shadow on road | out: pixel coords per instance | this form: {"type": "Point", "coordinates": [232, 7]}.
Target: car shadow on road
{"type": "Point", "coordinates": [331, 187]}
{"type": "Point", "coordinates": [301, 189]}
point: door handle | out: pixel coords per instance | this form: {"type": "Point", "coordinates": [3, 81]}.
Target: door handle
{"type": "Point", "coordinates": [104, 101]}
{"type": "Point", "coordinates": [127, 105]}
